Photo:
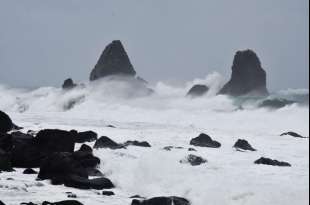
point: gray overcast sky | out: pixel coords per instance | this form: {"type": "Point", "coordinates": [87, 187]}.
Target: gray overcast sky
{"type": "Point", "coordinates": [43, 42]}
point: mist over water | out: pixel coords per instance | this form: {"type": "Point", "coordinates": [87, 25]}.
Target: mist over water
{"type": "Point", "coordinates": [123, 101]}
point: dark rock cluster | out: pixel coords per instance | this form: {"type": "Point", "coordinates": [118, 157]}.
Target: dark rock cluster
{"type": "Point", "coordinates": [106, 142]}
{"type": "Point", "coordinates": [272, 162]}
{"type": "Point", "coordinates": [162, 201]}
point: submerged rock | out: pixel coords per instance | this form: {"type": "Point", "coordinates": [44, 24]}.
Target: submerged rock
{"type": "Point", "coordinates": [204, 140]}
{"type": "Point", "coordinates": [197, 90]}
{"type": "Point", "coordinates": [243, 145]}
{"type": "Point", "coordinates": [293, 134]}
{"type": "Point", "coordinates": [137, 143]}
{"type": "Point", "coordinates": [193, 160]}
{"type": "Point", "coordinates": [276, 103]}
{"type": "Point", "coordinates": [105, 142]}
{"type": "Point", "coordinates": [68, 84]}
{"type": "Point", "coordinates": [248, 77]}
{"type": "Point", "coordinates": [162, 201]}
{"type": "Point", "coordinates": [267, 161]}
{"type": "Point", "coordinates": [113, 61]}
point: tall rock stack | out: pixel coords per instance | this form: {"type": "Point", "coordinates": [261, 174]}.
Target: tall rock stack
{"type": "Point", "coordinates": [248, 77]}
{"type": "Point", "coordinates": [113, 61]}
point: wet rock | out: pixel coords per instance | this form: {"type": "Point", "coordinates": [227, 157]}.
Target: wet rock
{"type": "Point", "coordinates": [84, 183]}
{"type": "Point", "coordinates": [6, 142]}
{"type": "Point", "coordinates": [267, 161]}
{"type": "Point", "coordinates": [193, 160]}
{"type": "Point", "coordinates": [1, 203]}
{"type": "Point", "coordinates": [192, 149]}
{"type": "Point", "coordinates": [293, 134]}
{"type": "Point", "coordinates": [105, 142]}
{"type": "Point", "coordinates": [113, 61]}
{"type": "Point", "coordinates": [66, 202]}
{"type": "Point", "coordinates": [248, 77]}
{"type": "Point", "coordinates": [29, 171]}
{"type": "Point", "coordinates": [243, 145]}
{"type": "Point", "coordinates": [68, 84]}
{"type": "Point", "coordinates": [204, 140]}
{"type": "Point", "coordinates": [108, 193]}
{"type": "Point", "coordinates": [48, 140]}
{"type": "Point", "coordinates": [169, 148]}
{"type": "Point", "coordinates": [137, 143]}
{"type": "Point", "coordinates": [87, 136]}
{"type": "Point", "coordinates": [5, 161]}
{"type": "Point", "coordinates": [197, 90]}
{"type": "Point", "coordinates": [162, 201]}
{"type": "Point", "coordinates": [275, 103]}
{"type": "Point", "coordinates": [6, 123]}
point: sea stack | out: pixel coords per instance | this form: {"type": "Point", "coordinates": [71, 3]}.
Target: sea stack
{"type": "Point", "coordinates": [248, 77]}
{"type": "Point", "coordinates": [113, 61]}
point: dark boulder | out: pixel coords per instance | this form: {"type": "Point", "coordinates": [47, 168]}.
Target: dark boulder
{"type": "Point", "coordinates": [6, 142]}
{"type": "Point", "coordinates": [86, 148]}
{"type": "Point", "coordinates": [137, 143]}
{"type": "Point", "coordinates": [105, 142]}
{"type": "Point", "coordinates": [68, 84]}
{"type": "Point", "coordinates": [204, 140]}
{"type": "Point", "coordinates": [29, 171]}
{"type": "Point", "coordinates": [59, 166]}
{"type": "Point", "coordinates": [1, 203]}
{"type": "Point", "coordinates": [84, 183]}
{"type": "Point", "coordinates": [248, 77]}
{"type": "Point", "coordinates": [242, 145]}
{"type": "Point", "coordinates": [108, 193]}
{"type": "Point", "coordinates": [276, 103]}
{"type": "Point", "coordinates": [113, 61]}
{"type": "Point", "coordinates": [55, 140]}
{"type": "Point", "coordinates": [6, 123]}
{"type": "Point", "coordinates": [197, 90]}
{"type": "Point", "coordinates": [87, 136]}
{"type": "Point", "coordinates": [293, 134]}
{"type": "Point", "coordinates": [267, 161]}
{"type": "Point", "coordinates": [193, 160]}
{"type": "Point", "coordinates": [162, 201]}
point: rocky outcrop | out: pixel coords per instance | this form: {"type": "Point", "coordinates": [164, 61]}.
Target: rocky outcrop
{"type": "Point", "coordinates": [105, 142]}
{"type": "Point", "coordinates": [113, 61]}
{"type": "Point", "coordinates": [272, 162]}
{"type": "Point", "coordinates": [197, 90]}
{"type": "Point", "coordinates": [248, 77]}
{"type": "Point", "coordinates": [243, 145]}
{"type": "Point", "coordinates": [162, 201]}
{"type": "Point", "coordinates": [6, 123]}
{"type": "Point", "coordinates": [204, 140]}
{"type": "Point", "coordinates": [68, 84]}
{"type": "Point", "coordinates": [293, 134]}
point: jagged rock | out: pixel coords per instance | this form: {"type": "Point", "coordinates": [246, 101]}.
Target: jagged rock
{"type": "Point", "coordinates": [243, 145]}
{"type": "Point", "coordinates": [204, 140]}
{"type": "Point", "coordinates": [267, 161]}
{"type": "Point", "coordinates": [198, 90]}
{"type": "Point", "coordinates": [105, 142]}
{"type": "Point", "coordinates": [193, 160]}
{"type": "Point", "coordinates": [6, 123]}
{"type": "Point", "coordinates": [113, 61]}
{"type": "Point", "coordinates": [276, 103]}
{"type": "Point", "coordinates": [68, 84]}
{"type": "Point", "coordinates": [248, 76]}
{"type": "Point", "coordinates": [162, 201]}
{"type": "Point", "coordinates": [29, 171]}
{"type": "Point", "coordinates": [87, 136]}
{"type": "Point", "coordinates": [293, 134]}
{"type": "Point", "coordinates": [137, 143]}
